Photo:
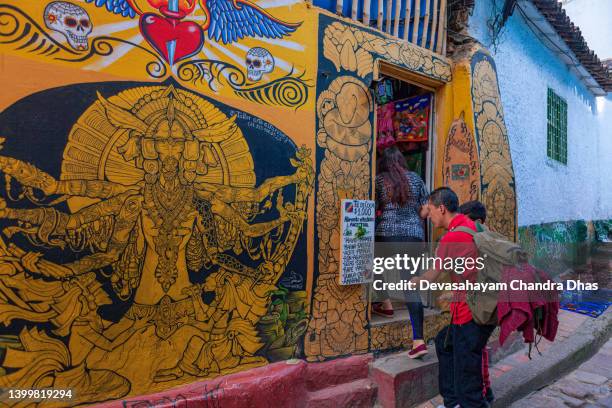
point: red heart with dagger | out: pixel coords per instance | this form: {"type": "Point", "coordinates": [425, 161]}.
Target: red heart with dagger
{"type": "Point", "coordinates": [172, 38]}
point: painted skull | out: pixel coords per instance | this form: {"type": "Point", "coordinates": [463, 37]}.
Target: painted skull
{"type": "Point", "coordinates": [70, 20]}
{"type": "Point", "coordinates": [259, 61]}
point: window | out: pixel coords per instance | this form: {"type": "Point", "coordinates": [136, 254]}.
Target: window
{"type": "Point", "coordinates": [556, 145]}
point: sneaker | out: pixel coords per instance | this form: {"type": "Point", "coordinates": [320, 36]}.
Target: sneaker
{"type": "Point", "coordinates": [418, 351]}
{"type": "Point", "coordinates": [378, 309]}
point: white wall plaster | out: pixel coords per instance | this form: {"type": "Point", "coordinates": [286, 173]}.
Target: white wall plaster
{"type": "Point", "coordinates": [548, 191]}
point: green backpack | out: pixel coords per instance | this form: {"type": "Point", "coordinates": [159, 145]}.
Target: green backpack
{"type": "Point", "coordinates": [498, 252]}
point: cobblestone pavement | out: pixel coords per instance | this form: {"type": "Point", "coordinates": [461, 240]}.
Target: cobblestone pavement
{"type": "Point", "coordinates": [589, 386]}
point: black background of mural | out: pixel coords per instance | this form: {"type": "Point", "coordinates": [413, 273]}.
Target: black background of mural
{"type": "Point", "coordinates": [36, 130]}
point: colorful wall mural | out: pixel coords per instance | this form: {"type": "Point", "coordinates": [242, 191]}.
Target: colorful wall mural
{"type": "Point", "coordinates": [461, 165]}
{"type": "Point", "coordinates": [563, 246]}
{"type": "Point", "coordinates": [498, 192]}
{"type": "Point", "coordinates": [476, 159]}
{"type": "Point", "coordinates": [556, 247]}
{"type": "Point", "coordinates": [147, 238]}
{"type": "Point", "coordinates": [155, 206]}
{"type": "Point", "coordinates": [172, 177]}
{"type": "Point", "coordinates": [234, 49]}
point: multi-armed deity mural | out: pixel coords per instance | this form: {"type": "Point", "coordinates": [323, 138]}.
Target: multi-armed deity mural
{"type": "Point", "coordinates": [151, 234]}
{"type": "Point", "coordinates": [159, 188]}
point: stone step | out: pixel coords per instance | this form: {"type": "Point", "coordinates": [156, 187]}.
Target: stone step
{"type": "Point", "coordinates": [603, 249]}
{"type": "Point", "coordinates": [404, 382]}
{"type": "Point", "coordinates": [339, 371]}
{"type": "Point", "coordinates": [601, 256]}
{"type": "Point", "coordinates": [400, 314]}
{"type": "Point", "coordinates": [356, 394]}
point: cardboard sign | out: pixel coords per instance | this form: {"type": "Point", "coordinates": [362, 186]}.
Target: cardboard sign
{"type": "Point", "coordinates": [357, 248]}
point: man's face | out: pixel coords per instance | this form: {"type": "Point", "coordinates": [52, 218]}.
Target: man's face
{"type": "Point", "coordinates": [436, 214]}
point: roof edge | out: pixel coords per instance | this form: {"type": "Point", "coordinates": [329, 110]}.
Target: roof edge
{"type": "Point", "coordinates": [571, 35]}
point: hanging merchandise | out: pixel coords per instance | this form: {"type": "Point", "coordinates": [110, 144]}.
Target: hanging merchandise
{"type": "Point", "coordinates": [385, 127]}
{"type": "Point", "coordinates": [415, 162]}
{"type": "Point", "coordinates": [412, 119]}
{"type": "Point", "coordinates": [384, 91]}
{"type": "Point", "coordinates": [412, 146]}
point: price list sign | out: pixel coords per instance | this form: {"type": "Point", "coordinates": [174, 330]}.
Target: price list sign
{"type": "Point", "coordinates": [357, 247]}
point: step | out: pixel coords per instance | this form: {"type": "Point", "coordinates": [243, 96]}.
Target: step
{"type": "Point", "coordinates": [602, 250]}
{"type": "Point", "coordinates": [274, 385]}
{"type": "Point", "coordinates": [604, 246]}
{"type": "Point", "coordinates": [404, 382]}
{"type": "Point", "coordinates": [601, 256]}
{"type": "Point", "coordinates": [338, 371]}
{"type": "Point", "coordinates": [356, 394]}
{"type": "Point", "coordinates": [399, 315]}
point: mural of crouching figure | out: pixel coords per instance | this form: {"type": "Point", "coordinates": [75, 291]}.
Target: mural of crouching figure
{"type": "Point", "coordinates": [229, 337]}
{"type": "Point", "coordinates": [71, 307]}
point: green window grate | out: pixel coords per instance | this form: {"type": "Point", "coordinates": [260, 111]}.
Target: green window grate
{"type": "Point", "coordinates": [556, 146]}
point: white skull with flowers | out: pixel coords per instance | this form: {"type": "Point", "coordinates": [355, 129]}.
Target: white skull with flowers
{"type": "Point", "coordinates": [70, 20]}
{"type": "Point", "coordinates": [259, 61]}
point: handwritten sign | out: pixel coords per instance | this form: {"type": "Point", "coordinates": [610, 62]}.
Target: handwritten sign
{"type": "Point", "coordinates": [357, 248]}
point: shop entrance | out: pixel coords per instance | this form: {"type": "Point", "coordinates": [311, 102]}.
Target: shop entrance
{"type": "Point", "coordinates": [404, 119]}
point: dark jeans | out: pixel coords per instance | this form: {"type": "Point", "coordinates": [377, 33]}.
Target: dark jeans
{"type": "Point", "coordinates": [460, 375]}
{"type": "Point", "coordinates": [413, 297]}
{"type": "Point", "coordinates": [417, 314]}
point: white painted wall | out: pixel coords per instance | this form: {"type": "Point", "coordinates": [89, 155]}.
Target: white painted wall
{"type": "Point", "coordinates": [604, 115]}
{"type": "Point", "coordinates": [548, 191]}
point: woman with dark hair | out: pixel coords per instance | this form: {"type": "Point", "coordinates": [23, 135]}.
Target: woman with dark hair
{"type": "Point", "coordinates": [400, 200]}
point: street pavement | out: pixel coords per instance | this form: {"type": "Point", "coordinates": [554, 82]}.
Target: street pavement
{"type": "Point", "coordinates": [587, 386]}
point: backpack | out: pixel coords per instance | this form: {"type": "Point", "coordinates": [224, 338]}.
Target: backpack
{"type": "Point", "coordinates": [498, 253]}
{"type": "Point", "coordinates": [501, 256]}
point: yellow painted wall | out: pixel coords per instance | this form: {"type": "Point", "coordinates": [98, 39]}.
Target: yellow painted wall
{"type": "Point", "coordinates": [167, 221]}
{"type": "Point", "coordinates": [157, 213]}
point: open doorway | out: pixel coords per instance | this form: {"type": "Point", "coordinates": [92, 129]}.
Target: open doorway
{"type": "Point", "coordinates": [404, 119]}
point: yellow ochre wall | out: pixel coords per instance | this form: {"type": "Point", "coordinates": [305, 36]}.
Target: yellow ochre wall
{"type": "Point", "coordinates": [168, 222]}
{"type": "Point", "coordinates": [469, 134]}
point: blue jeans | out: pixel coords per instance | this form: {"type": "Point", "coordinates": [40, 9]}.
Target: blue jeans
{"type": "Point", "coordinates": [413, 297]}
